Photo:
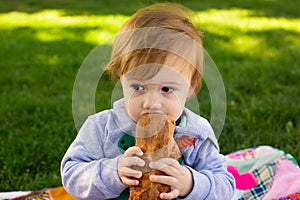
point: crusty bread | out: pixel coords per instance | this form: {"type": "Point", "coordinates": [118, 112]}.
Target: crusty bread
{"type": "Point", "coordinates": [154, 135]}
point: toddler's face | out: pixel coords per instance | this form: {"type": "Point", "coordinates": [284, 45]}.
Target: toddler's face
{"type": "Point", "coordinates": [165, 92]}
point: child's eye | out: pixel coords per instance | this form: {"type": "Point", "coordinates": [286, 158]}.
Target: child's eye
{"type": "Point", "coordinates": [137, 87]}
{"type": "Point", "coordinates": [167, 89]}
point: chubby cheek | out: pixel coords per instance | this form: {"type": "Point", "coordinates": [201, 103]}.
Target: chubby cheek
{"type": "Point", "coordinates": [130, 103]}
{"type": "Point", "coordinates": [133, 108]}
{"type": "Point", "coordinates": [174, 110]}
{"type": "Point", "coordinates": [173, 105]}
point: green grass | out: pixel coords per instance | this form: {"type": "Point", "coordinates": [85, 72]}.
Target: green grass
{"type": "Point", "coordinates": [254, 43]}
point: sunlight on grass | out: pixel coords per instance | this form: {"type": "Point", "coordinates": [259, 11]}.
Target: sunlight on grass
{"type": "Point", "coordinates": [51, 25]}
{"type": "Point", "coordinates": [241, 26]}
{"type": "Point", "coordinates": [244, 20]}
{"type": "Point", "coordinates": [55, 25]}
{"type": "Point", "coordinates": [97, 36]}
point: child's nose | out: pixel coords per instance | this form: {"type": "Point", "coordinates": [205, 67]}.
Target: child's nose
{"type": "Point", "coordinates": [152, 101]}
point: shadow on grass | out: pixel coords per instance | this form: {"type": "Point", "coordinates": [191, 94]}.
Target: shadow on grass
{"type": "Point", "coordinates": [268, 8]}
{"type": "Point", "coordinates": [261, 84]}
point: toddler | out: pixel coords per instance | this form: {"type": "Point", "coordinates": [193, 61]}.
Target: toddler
{"type": "Point", "coordinates": [158, 58]}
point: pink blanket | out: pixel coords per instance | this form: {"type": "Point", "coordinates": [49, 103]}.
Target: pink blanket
{"type": "Point", "coordinates": [286, 180]}
{"type": "Point", "coordinates": [264, 173]}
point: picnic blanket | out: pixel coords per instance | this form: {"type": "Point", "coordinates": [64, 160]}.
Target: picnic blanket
{"type": "Point", "coordinates": [264, 173]}
{"type": "Point", "coordinates": [261, 173]}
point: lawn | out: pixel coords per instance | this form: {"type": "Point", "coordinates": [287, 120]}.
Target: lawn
{"type": "Point", "coordinates": [254, 43]}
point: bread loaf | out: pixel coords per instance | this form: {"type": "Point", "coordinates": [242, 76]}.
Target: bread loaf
{"type": "Point", "coordinates": [154, 135]}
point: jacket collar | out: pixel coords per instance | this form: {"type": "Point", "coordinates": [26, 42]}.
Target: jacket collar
{"type": "Point", "coordinates": [190, 123]}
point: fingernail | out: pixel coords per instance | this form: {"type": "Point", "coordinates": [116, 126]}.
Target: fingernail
{"type": "Point", "coordinates": [152, 178]}
{"type": "Point", "coordinates": [151, 165]}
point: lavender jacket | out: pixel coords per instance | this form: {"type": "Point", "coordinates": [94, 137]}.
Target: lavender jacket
{"type": "Point", "coordinates": [89, 167]}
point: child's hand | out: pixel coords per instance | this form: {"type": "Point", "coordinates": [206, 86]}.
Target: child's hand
{"type": "Point", "coordinates": [128, 159]}
{"type": "Point", "coordinates": [179, 177]}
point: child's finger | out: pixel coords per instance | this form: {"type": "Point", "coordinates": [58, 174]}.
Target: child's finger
{"type": "Point", "coordinates": [167, 165]}
{"type": "Point", "coordinates": [171, 195]}
{"type": "Point", "coordinates": [133, 151]}
{"type": "Point", "coordinates": [167, 180]}
{"type": "Point", "coordinates": [129, 181]}
{"type": "Point", "coordinates": [128, 172]}
{"type": "Point", "coordinates": [130, 161]}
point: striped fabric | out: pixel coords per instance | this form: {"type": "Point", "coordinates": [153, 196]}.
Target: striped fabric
{"type": "Point", "coordinates": [265, 176]}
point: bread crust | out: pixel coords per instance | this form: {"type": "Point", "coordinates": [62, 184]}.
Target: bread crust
{"type": "Point", "coordinates": [155, 137]}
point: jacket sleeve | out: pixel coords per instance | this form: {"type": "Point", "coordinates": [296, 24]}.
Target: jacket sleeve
{"type": "Point", "coordinates": [209, 169]}
{"type": "Point", "coordinates": [86, 171]}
